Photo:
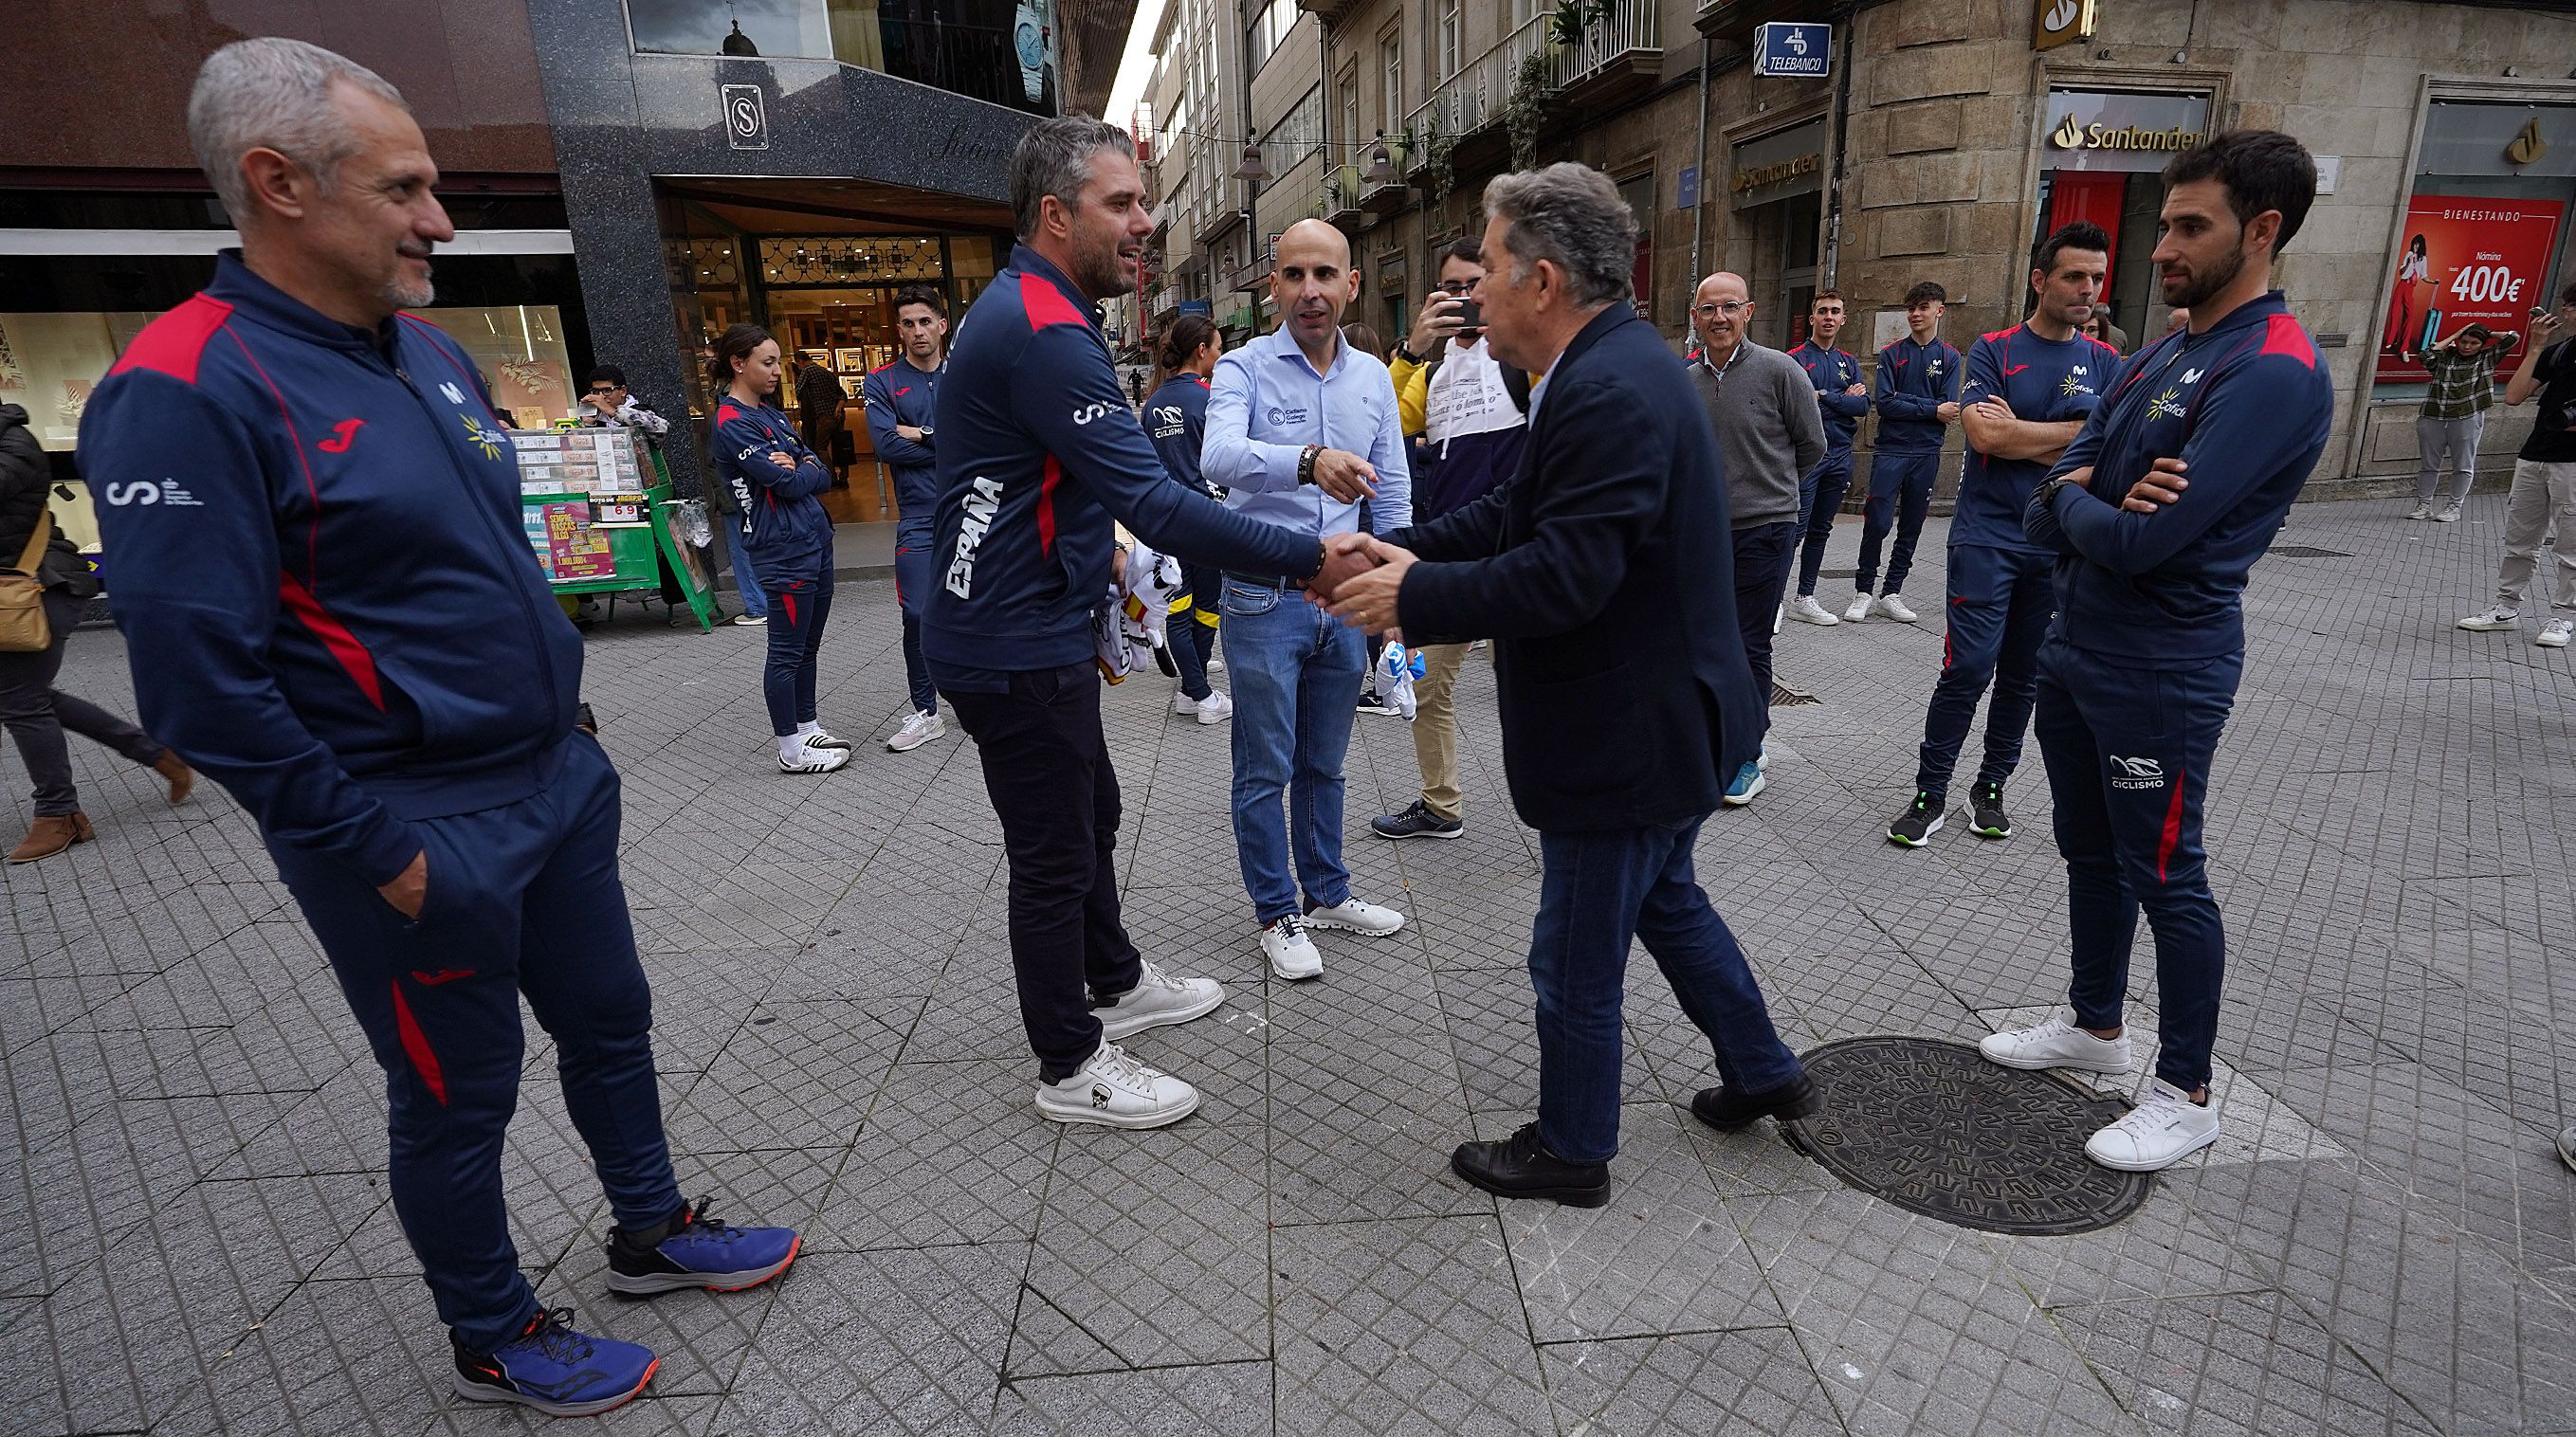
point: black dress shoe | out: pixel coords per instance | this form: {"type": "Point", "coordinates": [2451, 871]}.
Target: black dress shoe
{"type": "Point", "coordinates": [1729, 1111]}
{"type": "Point", "coordinates": [1520, 1166]}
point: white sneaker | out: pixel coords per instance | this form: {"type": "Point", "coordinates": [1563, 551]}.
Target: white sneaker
{"type": "Point", "coordinates": [1215, 708]}
{"type": "Point", "coordinates": [2555, 633]}
{"type": "Point", "coordinates": [1115, 1091]}
{"type": "Point", "coordinates": [1806, 610]}
{"type": "Point", "coordinates": [2057, 1043]}
{"type": "Point", "coordinates": [2157, 1133]}
{"type": "Point", "coordinates": [2492, 620]}
{"type": "Point", "coordinates": [1857, 609]}
{"type": "Point", "coordinates": [2420, 511]}
{"type": "Point", "coordinates": [2447, 514]}
{"type": "Point", "coordinates": [1158, 1000]}
{"type": "Point", "coordinates": [1353, 916]}
{"type": "Point", "coordinates": [750, 620]}
{"type": "Point", "coordinates": [1215, 665]}
{"type": "Point", "coordinates": [819, 738]}
{"type": "Point", "coordinates": [1895, 607]}
{"type": "Point", "coordinates": [1292, 954]}
{"type": "Point", "coordinates": [1778, 612]}
{"type": "Point", "coordinates": [1183, 704]}
{"type": "Point", "coordinates": [809, 759]}
{"type": "Point", "coordinates": [918, 729]}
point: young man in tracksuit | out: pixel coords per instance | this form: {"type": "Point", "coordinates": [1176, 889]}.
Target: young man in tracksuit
{"type": "Point", "coordinates": [331, 608]}
{"type": "Point", "coordinates": [900, 399]}
{"type": "Point", "coordinates": [2029, 389]}
{"type": "Point", "coordinates": [1843, 399]}
{"type": "Point", "coordinates": [1918, 401]}
{"type": "Point", "coordinates": [2157, 512]}
{"type": "Point", "coordinates": [1038, 452]}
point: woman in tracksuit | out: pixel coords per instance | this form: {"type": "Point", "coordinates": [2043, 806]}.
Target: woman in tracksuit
{"type": "Point", "coordinates": [1176, 419]}
{"type": "Point", "coordinates": [773, 479]}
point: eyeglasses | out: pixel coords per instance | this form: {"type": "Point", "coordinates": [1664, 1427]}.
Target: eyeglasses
{"type": "Point", "coordinates": [1730, 308]}
{"type": "Point", "coordinates": [1456, 286]}
{"type": "Point", "coordinates": [603, 389]}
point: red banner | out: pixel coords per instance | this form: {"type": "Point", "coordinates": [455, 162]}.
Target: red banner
{"type": "Point", "coordinates": [2465, 259]}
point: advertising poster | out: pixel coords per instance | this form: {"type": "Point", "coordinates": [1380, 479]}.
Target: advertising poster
{"type": "Point", "coordinates": [2464, 259]}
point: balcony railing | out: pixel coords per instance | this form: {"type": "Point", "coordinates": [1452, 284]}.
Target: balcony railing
{"type": "Point", "coordinates": [1632, 27]}
{"type": "Point", "coordinates": [1474, 97]}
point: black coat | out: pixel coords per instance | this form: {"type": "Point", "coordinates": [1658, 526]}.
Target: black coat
{"type": "Point", "coordinates": [1604, 572]}
{"type": "Point", "coordinates": [25, 480]}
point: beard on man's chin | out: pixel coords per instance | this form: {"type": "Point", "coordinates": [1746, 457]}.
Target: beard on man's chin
{"type": "Point", "coordinates": [405, 293]}
{"type": "Point", "coordinates": [2199, 289]}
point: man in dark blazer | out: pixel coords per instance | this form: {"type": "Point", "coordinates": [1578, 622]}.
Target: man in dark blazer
{"type": "Point", "coordinates": [1602, 571]}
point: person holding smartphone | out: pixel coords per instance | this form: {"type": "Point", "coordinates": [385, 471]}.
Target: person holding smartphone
{"type": "Point", "coordinates": [1467, 411]}
{"type": "Point", "coordinates": [2544, 478]}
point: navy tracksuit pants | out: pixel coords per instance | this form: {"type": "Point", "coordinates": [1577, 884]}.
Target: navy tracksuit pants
{"type": "Point", "coordinates": [800, 599]}
{"type": "Point", "coordinates": [2128, 753]}
{"type": "Point", "coordinates": [912, 542]}
{"type": "Point", "coordinates": [2000, 602]}
{"type": "Point", "coordinates": [1900, 494]}
{"type": "Point", "coordinates": [1820, 498]}
{"type": "Point", "coordinates": [522, 899]}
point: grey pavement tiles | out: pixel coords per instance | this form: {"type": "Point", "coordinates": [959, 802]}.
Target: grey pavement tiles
{"type": "Point", "coordinates": [195, 1235]}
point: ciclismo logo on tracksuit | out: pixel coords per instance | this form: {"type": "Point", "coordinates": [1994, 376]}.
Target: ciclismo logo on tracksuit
{"type": "Point", "coordinates": [982, 502]}
{"type": "Point", "coordinates": [2136, 773]}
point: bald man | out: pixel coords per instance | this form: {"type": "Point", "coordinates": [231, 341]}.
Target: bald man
{"type": "Point", "coordinates": [1300, 428]}
{"type": "Point", "coordinates": [1770, 432]}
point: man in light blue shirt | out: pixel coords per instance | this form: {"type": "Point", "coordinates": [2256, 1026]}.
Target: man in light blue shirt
{"type": "Point", "coordinates": [1301, 428]}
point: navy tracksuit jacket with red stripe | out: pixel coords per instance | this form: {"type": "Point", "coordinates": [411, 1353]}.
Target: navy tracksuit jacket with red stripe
{"type": "Point", "coordinates": [2141, 664]}
{"type": "Point", "coordinates": [1038, 451]}
{"type": "Point", "coordinates": [313, 534]}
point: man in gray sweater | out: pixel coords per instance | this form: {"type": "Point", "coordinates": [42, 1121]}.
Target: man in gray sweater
{"type": "Point", "coordinates": [1769, 430]}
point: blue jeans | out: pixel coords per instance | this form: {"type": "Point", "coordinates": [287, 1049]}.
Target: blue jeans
{"type": "Point", "coordinates": [524, 901]}
{"type": "Point", "coordinates": [1900, 494]}
{"type": "Point", "coordinates": [1296, 675]}
{"type": "Point", "coordinates": [1820, 498]}
{"type": "Point", "coordinates": [754, 602]}
{"type": "Point", "coordinates": [2000, 601]}
{"type": "Point", "coordinates": [1597, 890]}
{"type": "Point", "coordinates": [2128, 754]}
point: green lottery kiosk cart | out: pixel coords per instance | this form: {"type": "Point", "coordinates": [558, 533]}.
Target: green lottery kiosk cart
{"type": "Point", "coordinates": [595, 504]}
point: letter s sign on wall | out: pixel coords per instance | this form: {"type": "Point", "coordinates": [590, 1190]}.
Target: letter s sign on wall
{"type": "Point", "coordinates": [746, 117]}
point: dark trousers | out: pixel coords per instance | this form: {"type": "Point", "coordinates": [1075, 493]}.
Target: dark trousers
{"type": "Point", "coordinates": [1820, 498]}
{"type": "Point", "coordinates": [522, 899]}
{"type": "Point", "coordinates": [1597, 892]}
{"type": "Point", "coordinates": [2128, 754]}
{"type": "Point", "coordinates": [1900, 494]}
{"type": "Point", "coordinates": [1047, 769]}
{"type": "Point", "coordinates": [800, 599]}
{"type": "Point", "coordinates": [912, 542]}
{"type": "Point", "coordinates": [1762, 556]}
{"type": "Point", "coordinates": [2000, 602]}
{"type": "Point", "coordinates": [36, 713]}
{"type": "Point", "coordinates": [1190, 629]}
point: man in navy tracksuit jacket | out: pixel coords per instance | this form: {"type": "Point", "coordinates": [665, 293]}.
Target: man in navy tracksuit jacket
{"type": "Point", "coordinates": [331, 608]}
{"type": "Point", "coordinates": [2028, 391]}
{"type": "Point", "coordinates": [2157, 511]}
{"type": "Point", "coordinates": [900, 398]}
{"type": "Point", "coordinates": [1038, 452]}
{"type": "Point", "coordinates": [1918, 400]}
{"type": "Point", "coordinates": [1820, 493]}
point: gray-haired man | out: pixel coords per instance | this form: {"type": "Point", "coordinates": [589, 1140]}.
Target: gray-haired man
{"type": "Point", "coordinates": [1596, 551]}
{"type": "Point", "coordinates": [1770, 431]}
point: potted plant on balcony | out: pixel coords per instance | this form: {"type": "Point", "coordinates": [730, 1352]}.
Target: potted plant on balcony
{"type": "Point", "coordinates": [1527, 106]}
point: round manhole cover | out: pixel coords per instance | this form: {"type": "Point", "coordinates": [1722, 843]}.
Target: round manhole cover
{"type": "Point", "coordinates": [1934, 1128]}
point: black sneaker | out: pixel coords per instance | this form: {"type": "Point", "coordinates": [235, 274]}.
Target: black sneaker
{"type": "Point", "coordinates": [1915, 826]}
{"type": "Point", "coordinates": [1417, 822]}
{"type": "Point", "coordinates": [1730, 1111]}
{"type": "Point", "coordinates": [1371, 703]}
{"type": "Point", "coordinates": [1986, 816]}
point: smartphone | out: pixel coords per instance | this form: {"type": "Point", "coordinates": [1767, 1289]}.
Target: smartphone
{"type": "Point", "coordinates": [1471, 317]}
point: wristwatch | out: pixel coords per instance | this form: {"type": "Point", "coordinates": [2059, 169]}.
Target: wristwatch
{"type": "Point", "coordinates": [1306, 463]}
{"type": "Point", "coordinates": [1405, 352]}
{"type": "Point", "coordinates": [2048, 490]}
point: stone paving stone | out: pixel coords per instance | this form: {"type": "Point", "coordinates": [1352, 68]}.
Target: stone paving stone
{"type": "Point", "coordinates": [1410, 1326]}
{"type": "Point", "coordinates": [1753, 1380]}
{"type": "Point", "coordinates": [2238, 1365]}
{"type": "Point", "coordinates": [879, 1342]}
{"type": "Point", "coordinates": [1228, 1399]}
{"type": "Point", "coordinates": [954, 1152]}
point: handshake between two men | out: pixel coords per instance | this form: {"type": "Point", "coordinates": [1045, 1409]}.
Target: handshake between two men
{"type": "Point", "coordinates": [1359, 580]}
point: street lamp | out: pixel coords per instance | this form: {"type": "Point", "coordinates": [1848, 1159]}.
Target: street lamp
{"type": "Point", "coordinates": [1381, 165]}
{"type": "Point", "coordinates": [1252, 167]}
